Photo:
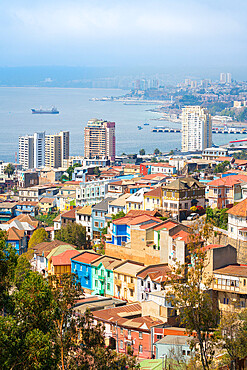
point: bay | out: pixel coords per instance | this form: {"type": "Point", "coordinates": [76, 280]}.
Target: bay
{"type": "Point", "coordinates": [76, 109]}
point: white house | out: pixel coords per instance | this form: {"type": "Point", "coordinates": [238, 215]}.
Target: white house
{"type": "Point", "coordinates": [237, 221]}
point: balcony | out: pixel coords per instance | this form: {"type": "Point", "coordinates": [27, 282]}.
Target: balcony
{"type": "Point", "coordinates": [131, 286]}
{"type": "Point", "coordinates": [101, 278]}
{"type": "Point", "coordinates": [118, 282]}
{"type": "Point", "coordinates": [226, 288]}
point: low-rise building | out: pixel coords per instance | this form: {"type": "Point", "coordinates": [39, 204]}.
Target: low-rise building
{"type": "Point", "coordinates": [91, 192]}
{"type": "Point", "coordinates": [61, 263]}
{"type": "Point", "coordinates": [81, 266]}
{"type": "Point", "coordinates": [225, 191]}
{"type": "Point", "coordinates": [136, 200]}
{"type": "Point", "coordinates": [230, 282]}
{"type": "Point", "coordinates": [17, 238]}
{"type": "Point", "coordinates": [83, 217]}
{"type": "Point", "coordinates": [29, 208]}
{"type": "Point", "coordinates": [47, 205]}
{"type": "Point", "coordinates": [99, 212]}
{"type": "Point", "coordinates": [7, 211]}
{"type": "Point", "coordinates": [237, 221]}
{"type": "Point", "coordinates": [127, 329]}
{"type": "Point", "coordinates": [125, 280]}
{"type": "Point", "coordinates": [214, 153]}
{"type": "Point", "coordinates": [119, 204]}
{"type": "Point", "coordinates": [180, 195]}
{"type": "Point", "coordinates": [153, 199]}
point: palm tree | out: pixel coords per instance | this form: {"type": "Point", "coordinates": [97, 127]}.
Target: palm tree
{"type": "Point", "coordinates": [9, 169]}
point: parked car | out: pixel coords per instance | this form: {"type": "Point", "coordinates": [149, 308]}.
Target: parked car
{"type": "Point", "coordinates": [192, 216]}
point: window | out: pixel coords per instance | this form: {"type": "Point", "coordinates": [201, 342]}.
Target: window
{"type": "Point", "coordinates": [147, 200]}
{"type": "Point", "coordinates": [159, 336]}
{"type": "Point", "coordinates": [184, 352]}
{"type": "Point", "coordinates": [141, 282]}
{"type": "Point", "coordinates": [244, 282]}
{"type": "Point", "coordinates": [96, 283]}
{"type": "Point", "coordinates": [140, 348]}
{"type": "Point", "coordinates": [131, 280]}
{"type": "Point", "coordinates": [121, 331]}
{"type": "Point", "coordinates": [215, 191]}
{"type": "Point", "coordinates": [121, 343]}
{"type": "Point", "coordinates": [155, 286]}
{"type": "Point", "coordinates": [226, 300]}
{"type": "Point", "coordinates": [129, 333]}
{"type": "Point", "coordinates": [96, 213]}
{"type": "Point", "coordinates": [86, 269]}
{"type": "Point", "coordinates": [188, 353]}
{"type": "Point", "coordinates": [125, 278]}
{"type": "Point", "coordinates": [108, 286]}
{"type": "Point", "coordinates": [140, 334]}
{"type": "Point", "coordinates": [96, 224]}
{"type": "Point", "coordinates": [108, 274]}
{"type": "Point", "coordinates": [80, 268]}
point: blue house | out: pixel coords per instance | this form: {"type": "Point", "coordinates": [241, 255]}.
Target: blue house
{"type": "Point", "coordinates": [98, 219]}
{"type": "Point", "coordinates": [30, 208]}
{"type": "Point", "coordinates": [18, 239]}
{"type": "Point", "coordinates": [174, 345]}
{"type": "Point", "coordinates": [81, 266]}
{"type": "Point", "coordinates": [7, 211]}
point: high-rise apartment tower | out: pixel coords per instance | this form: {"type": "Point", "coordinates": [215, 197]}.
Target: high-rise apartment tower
{"type": "Point", "coordinates": [99, 139]}
{"type": "Point", "coordinates": [196, 129]}
{"type": "Point", "coordinates": [56, 149]}
{"type": "Point", "coordinates": [32, 150]}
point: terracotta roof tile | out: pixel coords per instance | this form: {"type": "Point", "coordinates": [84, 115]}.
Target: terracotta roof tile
{"type": "Point", "coordinates": [234, 270]}
{"type": "Point", "coordinates": [63, 259]}
{"type": "Point", "coordinates": [86, 257]}
{"type": "Point", "coordinates": [14, 234]}
{"type": "Point", "coordinates": [157, 192]}
{"type": "Point", "coordinates": [239, 210]}
{"type": "Point", "coordinates": [228, 180]}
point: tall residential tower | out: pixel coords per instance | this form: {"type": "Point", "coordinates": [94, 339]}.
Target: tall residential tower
{"type": "Point", "coordinates": [32, 150]}
{"type": "Point", "coordinates": [99, 139]}
{"type": "Point", "coordinates": [56, 149]}
{"type": "Point", "coordinates": [196, 129]}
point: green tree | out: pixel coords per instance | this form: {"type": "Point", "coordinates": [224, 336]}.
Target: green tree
{"type": "Point", "coordinates": [64, 178]}
{"type": "Point", "coordinates": [156, 151]}
{"type": "Point", "coordinates": [120, 214]}
{"type": "Point", "coordinates": [39, 236]}
{"type": "Point", "coordinates": [232, 334]}
{"type": "Point", "coordinates": [8, 261]}
{"type": "Point", "coordinates": [74, 234]}
{"type": "Point", "coordinates": [217, 217]}
{"type": "Point", "coordinates": [222, 167]}
{"type": "Point", "coordinates": [197, 312]}
{"type": "Point", "coordinates": [96, 171]}
{"type": "Point", "coordinates": [9, 169]}
{"type": "Point", "coordinates": [70, 170]}
{"type": "Point", "coordinates": [22, 270]}
{"type": "Point", "coordinates": [47, 220]}
{"type": "Point", "coordinates": [142, 152]}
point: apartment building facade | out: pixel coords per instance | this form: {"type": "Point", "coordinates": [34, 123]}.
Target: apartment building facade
{"type": "Point", "coordinates": [99, 139]}
{"type": "Point", "coordinates": [196, 129]}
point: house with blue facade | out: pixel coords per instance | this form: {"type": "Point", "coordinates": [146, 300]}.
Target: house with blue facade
{"type": "Point", "coordinates": [29, 208]}
{"type": "Point", "coordinates": [174, 345]}
{"type": "Point", "coordinates": [81, 266]}
{"type": "Point", "coordinates": [99, 212]}
{"type": "Point", "coordinates": [18, 239]}
{"type": "Point", "coordinates": [102, 275]}
{"type": "Point", "coordinates": [7, 211]}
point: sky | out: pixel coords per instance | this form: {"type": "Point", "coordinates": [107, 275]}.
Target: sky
{"type": "Point", "coordinates": [161, 33]}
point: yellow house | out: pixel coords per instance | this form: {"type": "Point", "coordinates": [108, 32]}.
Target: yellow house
{"type": "Point", "coordinates": [230, 283]}
{"type": "Point", "coordinates": [47, 204]}
{"type": "Point", "coordinates": [125, 280]}
{"type": "Point", "coordinates": [153, 199]}
{"type": "Point", "coordinates": [61, 264]}
{"type": "Point", "coordinates": [55, 252]}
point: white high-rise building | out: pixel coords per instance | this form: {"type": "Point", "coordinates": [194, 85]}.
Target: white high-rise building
{"type": "Point", "coordinates": [26, 148]}
{"type": "Point", "coordinates": [229, 78]}
{"type": "Point", "coordinates": [39, 149]}
{"type": "Point", "coordinates": [223, 78]}
{"type": "Point", "coordinates": [196, 129]}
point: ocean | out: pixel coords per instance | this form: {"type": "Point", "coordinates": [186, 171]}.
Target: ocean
{"type": "Point", "coordinates": [75, 110]}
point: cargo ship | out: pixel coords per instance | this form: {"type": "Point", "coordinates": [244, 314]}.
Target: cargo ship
{"type": "Point", "coordinates": [53, 110]}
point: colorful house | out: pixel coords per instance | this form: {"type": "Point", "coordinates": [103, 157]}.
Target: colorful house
{"type": "Point", "coordinates": [55, 252]}
{"type": "Point", "coordinates": [47, 205]}
{"type": "Point", "coordinates": [81, 266]}
{"type": "Point", "coordinates": [102, 275]}
{"type": "Point", "coordinates": [30, 208]}
{"type": "Point", "coordinates": [125, 280]}
{"type": "Point", "coordinates": [61, 264]}
{"type": "Point", "coordinates": [99, 212]}
{"type": "Point", "coordinates": [153, 199]}
{"type": "Point", "coordinates": [17, 238]}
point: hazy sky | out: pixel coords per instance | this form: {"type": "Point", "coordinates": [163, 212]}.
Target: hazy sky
{"type": "Point", "coordinates": [127, 32]}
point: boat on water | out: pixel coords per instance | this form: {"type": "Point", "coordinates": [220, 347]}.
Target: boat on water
{"type": "Point", "coordinates": [140, 128]}
{"type": "Point", "coordinates": [53, 110]}
{"type": "Point", "coordinates": [146, 124]}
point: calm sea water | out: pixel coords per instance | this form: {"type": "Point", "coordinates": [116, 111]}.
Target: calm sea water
{"type": "Point", "coordinates": [75, 110]}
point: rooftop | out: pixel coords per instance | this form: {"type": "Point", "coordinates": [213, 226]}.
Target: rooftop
{"type": "Point", "coordinates": [86, 257]}
{"type": "Point", "coordinates": [239, 210]}
{"type": "Point", "coordinates": [234, 270]}
{"type": "Point", "coordinates": [129, 268]}
{"type": "Point", "coordinates": [63, 259]}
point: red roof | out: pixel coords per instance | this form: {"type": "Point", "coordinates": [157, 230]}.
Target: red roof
{"type": "Point", "coordinates": [157, 192]}
{"type": "Point", "coordinates": [70, 214]}
{"type": "Point", "coordinates": [63, 259]}
{"type": "Point", "coordinates": [86, 257]}
{"type": "Point", "coordinates": [181, 235]}
{"type": "Point", "coordinates": [229, 180]}
{"type": "Point", "coordinates": [153, 176]}
{"type": "Point", "coordinates": [147, 226]}
{"type": "Point", "coordinates": [166, 225]}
